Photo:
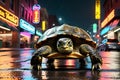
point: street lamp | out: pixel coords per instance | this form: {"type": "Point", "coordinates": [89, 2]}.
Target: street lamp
{"type": "Point", "coordinates": [60, 19]}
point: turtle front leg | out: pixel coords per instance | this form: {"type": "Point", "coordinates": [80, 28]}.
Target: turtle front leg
{"type": "Point", "coordinates": [36, 62]}
{"type": "Point", "coordinates": [96, 60]}
{"type": "Point", "coordinates": [36, 59]}
{"type": "Point", "coordinates": [50, 64]}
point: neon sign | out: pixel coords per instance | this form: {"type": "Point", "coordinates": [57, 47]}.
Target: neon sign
{"type": "Point", "coordinates": [97, 9]}
{"type": "Point", "coordinates": [26, 26]}
{"type": "Point", "coordinates": [36, 13]}
{"type": "Point", "coordinates": [108, 18]}
{"type": "Point", "coordinates": [43, 25]}
{"type": "Point", "coordinates": [8, 17]}
{"type": "Point", "coordinates": [105, 30]}
{"type": "Point", "coordinates": [94, 28]}
{"type": "Point", "coordinates": [38, 33]}
{"type": "Point", "coordinates": [104, 41]}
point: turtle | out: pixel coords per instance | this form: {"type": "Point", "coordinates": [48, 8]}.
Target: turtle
{"type": "Point", "coordinates": [66, 42]}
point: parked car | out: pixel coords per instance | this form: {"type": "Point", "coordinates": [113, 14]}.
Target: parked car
{"type": "Point", "coordinates": [111, 44]}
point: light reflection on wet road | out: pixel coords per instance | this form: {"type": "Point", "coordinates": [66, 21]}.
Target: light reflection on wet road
{"type": "Point", "coordinates": [15, 65]}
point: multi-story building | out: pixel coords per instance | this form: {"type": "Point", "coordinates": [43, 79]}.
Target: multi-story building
{"type": "Point", "coordinates": [16, 23]}
{"type": "Point", "coordinates": [43, 25]}
{"type": "Point", "coordinates": [53, 21]}
{"type": "Point", "coordinates": [110, 26]}
{"type": "Point", "coordinates": [9, 23]}
{"type": "Point", "coordinates": [26, 27]}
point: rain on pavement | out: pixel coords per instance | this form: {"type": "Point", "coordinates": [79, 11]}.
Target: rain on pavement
{"type": "Point", "coordinates": [15, 65]}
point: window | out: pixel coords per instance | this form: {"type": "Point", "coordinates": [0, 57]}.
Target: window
{"type": "Point", "coordinates": [25, 14]}
{"type": "Point", "coordinates": [116, 1]}
{"type": "Point", "coordinates": [29, 17]}
{"type": "Point", "coordinates": [12, 4]}
{"type": "Point", "coordinates": [22, 12]}
{"type": "Point", "coordinates": [29, 3]}
{"type": "Point", "coordinates": [3, 1]}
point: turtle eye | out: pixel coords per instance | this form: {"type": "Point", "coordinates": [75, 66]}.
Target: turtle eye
{"type": "Point", "coordinates": [59, 43]}
{"type": "Point", "coordinates": [69, 43]}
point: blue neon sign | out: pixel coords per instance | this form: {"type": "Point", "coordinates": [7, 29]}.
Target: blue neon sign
{"type": "Point", "coordinates": [104, 41]}
{"type": "Point", "coordinates": [105, 30]}
{"type": "Point", "coordinates": [26, 26]}
{"type": "Point", "coordinates": [38, 33]}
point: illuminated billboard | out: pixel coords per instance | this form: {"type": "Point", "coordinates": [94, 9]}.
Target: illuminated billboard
{"type": "Point", "coordinates": [105, 30]}
{"type": "Point", "coordinates": [108, 18]}
{"type": "Point", "coordinates": [8, 17]}
{"type": "Point", "coordinates": [97, 9]}
{"type": "Point", "coordinates": [26, 26]}
{"type": "Point", "coordinates": [43, 25]}
{"type": "Point", "coordinates": [36, 13]}
{"type": "Point", "coordinates": [38, 33]}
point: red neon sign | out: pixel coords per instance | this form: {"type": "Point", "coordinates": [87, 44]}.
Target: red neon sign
{"type": "Point", "coordinates": [36, 16]}
{"type": "Point", "coordinates": [36, 13]}
{"type": "Point", "coordinates": [108, 18]}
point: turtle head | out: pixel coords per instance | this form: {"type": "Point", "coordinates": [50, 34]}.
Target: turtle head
{"type": "Point", "coordinates": [65, 45]}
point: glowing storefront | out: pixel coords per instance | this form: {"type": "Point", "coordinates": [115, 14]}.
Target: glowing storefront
{"type": "Point", "coordinates": [8, 29]}
{"type": "Point", "coordinates": [111, 24]}
{"type": "Point", "coordinates": [27, 33]}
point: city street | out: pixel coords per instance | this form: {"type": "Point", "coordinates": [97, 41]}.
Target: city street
{"type": "Point", "coordinates": [15, 65]}
{"type": "Point", "coordinates": [65, 29]}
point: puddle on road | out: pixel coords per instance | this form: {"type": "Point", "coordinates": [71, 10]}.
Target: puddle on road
{"type": "Point", "coordinates": [58, 75]}
{"type": "Point", "coordinates": [16, 66]}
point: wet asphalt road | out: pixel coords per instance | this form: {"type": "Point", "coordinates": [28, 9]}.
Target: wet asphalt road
{"type": "Point", "coordinates": [15, 65]}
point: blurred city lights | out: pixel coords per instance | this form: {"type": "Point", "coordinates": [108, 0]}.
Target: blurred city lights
{"type": "Point", "coordinates": [60, 19]}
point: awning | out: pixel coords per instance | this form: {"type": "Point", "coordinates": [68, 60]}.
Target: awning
{"type": "Point", "coordinates": [8, 26]}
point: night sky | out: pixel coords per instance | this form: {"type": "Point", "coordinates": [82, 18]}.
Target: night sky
{"type": "Point", "coordinates": [73, 12]}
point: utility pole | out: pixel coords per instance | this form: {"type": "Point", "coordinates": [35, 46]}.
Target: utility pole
{"type": "Point", "coordinates": [98, 17]}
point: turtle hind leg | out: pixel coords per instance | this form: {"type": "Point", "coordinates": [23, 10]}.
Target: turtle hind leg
{"type": "Point", "coordinates": [82, 63]}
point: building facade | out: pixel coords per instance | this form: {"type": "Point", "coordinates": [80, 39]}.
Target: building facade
{"type": "Point", "coordinates": [26, 27]}
{"type": "Point", "coordinates": [110, 25]}
{"type": "Point", "coordinates": [17, 29]}
{"type": "Point", "coordinates": [53, 21]}
{"type": "Point", "coordinates": [43, 25]}
{"type": "Point", "coordinates": [9, 22]}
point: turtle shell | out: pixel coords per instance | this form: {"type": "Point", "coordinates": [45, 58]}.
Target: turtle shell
{"type": "Point", "coordinates": [78, 35]}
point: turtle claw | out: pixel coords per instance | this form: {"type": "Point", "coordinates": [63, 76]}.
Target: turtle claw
{"type": "Point", "coordinates": [96, 66]}
{"type": "Point", "coordinates": [36, 67]}
{"type": "Point", "coordinates": [36, 62]}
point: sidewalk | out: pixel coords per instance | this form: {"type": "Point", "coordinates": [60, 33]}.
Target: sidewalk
{"type": "Point", "coordinates": [15, 49]}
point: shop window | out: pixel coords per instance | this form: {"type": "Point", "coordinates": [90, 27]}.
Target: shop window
{"type": "Point", "coordinates": [12, 4]}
